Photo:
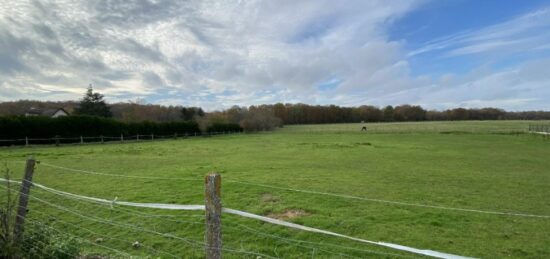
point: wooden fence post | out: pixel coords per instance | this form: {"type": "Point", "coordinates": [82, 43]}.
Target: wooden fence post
{"type": "Point", "coordinates": [26, 141]}
{"type": "Point", "coordinates": [137, 137]}
{"type": "Point", "coordinates": [213, 210]}
{"type": "Point", "coordinates": [24, 198]}
{"type": "Point", "coordinates": [152, 136]}
{"type": "Point", "coordinates": [81, 140]}
{"type": "Point", "coordinates": [102, 141]}
{"type": "Point", "coordinates": [56, 140]}
{"type": "Point", "coordinates": [121, 138]}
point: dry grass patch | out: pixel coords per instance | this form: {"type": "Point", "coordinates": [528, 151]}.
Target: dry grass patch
{"type": "Point", "coordinates": [269, 198]}
{"type": "Point", "coordinates": [289, 214]}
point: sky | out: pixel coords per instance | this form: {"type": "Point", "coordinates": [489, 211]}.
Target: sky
{"type": "Point", "coordinates": [216, 54]}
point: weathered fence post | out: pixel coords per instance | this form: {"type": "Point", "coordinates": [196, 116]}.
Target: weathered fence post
{"type": "Point", "coordinates": [152, 136]}
{"type": "Point", "coordinates": [102, 141]}
{"type": "Point", "coordinates": [137, 137]}
{"type": "Point", "coordinates": [24, 198]}
{"type": "Point", "coordinates": [26, 141]}
{"type": "Point", "coordinates": [195, 133]}
{"type": "Point", "coordinates": [81, 140]}
{"type": "Point", "coordinates": [213, 208]}
{"type": "Point", "coordinates": [57, 140]}
{"type": "Point", "coordinates": [121, 138]}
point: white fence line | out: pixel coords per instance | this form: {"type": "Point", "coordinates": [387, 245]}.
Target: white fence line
{"type": "Point", "coordinates": [252, 216]}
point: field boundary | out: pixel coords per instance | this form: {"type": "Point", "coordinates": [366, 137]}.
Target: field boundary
{"type": "Point", "coordinates": [426, 252]}
{"type": "Point", "coordinates": [107, 139]}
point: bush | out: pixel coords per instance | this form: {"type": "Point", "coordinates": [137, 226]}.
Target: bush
{"type": "Point", "coordinates": [223, 127]}
{"type": "Point", "coordinates": [40, 241]}
{"type": "Point", "coordinates": [258, 120]}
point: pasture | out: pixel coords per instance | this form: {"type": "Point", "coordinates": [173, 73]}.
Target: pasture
{"type": "Point", "coordinates": [427, 185]}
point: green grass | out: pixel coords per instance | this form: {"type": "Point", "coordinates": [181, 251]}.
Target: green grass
{"type": "Point", "coordinates": [489, 166]}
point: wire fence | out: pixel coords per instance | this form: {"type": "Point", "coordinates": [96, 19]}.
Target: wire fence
{"type": "Point", "coordinates": [59, 140]}
{"type": "Point", "coordinates": [540, 129]}
{"type": "Point", "coordinates": [64, 205]}
{"type": "Point", "coordinates": [198, 245]}
{"type": "Point", "coordinates": [447, 127]}
{"type": "Point", "coordinates": [313, 192]}
{"type": "Point", "coordinates": [89, 219]}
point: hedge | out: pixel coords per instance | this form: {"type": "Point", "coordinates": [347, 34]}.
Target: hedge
{"type": "Point", "coordinates": [19, 127]}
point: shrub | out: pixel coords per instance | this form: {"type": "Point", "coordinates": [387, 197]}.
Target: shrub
{"type": "Point", "coordinates": [224, 127]}
{"type": "Point", "coordinates": [38, 240]}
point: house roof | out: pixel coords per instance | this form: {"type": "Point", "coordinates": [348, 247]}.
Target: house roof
{"type": "Point", "coordinates": [45, 112]}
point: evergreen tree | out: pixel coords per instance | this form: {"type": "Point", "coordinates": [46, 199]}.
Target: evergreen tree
{"type": "Point", "coordinates": [93, 104]}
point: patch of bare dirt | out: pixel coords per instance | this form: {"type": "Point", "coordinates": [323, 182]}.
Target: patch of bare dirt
{"type": "Point", "coordinates": [289, 214]}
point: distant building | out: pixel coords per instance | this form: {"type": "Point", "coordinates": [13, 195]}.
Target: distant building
{"type": "Point", "coordinates": [52, 113]}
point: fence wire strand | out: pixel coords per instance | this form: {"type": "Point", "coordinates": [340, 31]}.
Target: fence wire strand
{"type": "Point", "coordinates": [345, 196]}
{"type": "Point", "coordinates": [260, 218]}
{"type": "Point", "coordinates": [192, 243]}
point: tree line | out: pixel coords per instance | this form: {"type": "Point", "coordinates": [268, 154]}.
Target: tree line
{"type": "Point", "coordinates": [263, 117]}
{"type": "Point", "coordinates": [317, 114]}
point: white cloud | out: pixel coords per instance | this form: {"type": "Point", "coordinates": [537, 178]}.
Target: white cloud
{"type": "Point", "coordinates": [524, 33]}
{"type": "Point", "coordinates": [218, 54]}
{"type": "Point", "coordinates": [522, 87]}
{"type": "Point", "coordinates": [143, 47]}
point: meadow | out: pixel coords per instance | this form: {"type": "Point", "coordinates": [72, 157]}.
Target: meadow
{"type": "Point", "coordinates": [453, 187]}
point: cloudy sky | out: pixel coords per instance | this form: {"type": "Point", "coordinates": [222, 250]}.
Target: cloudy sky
{"type": "Point", "coordinates": [216, 54]}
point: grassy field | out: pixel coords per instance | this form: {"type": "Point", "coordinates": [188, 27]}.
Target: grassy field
{"type": "Point", "coordinates": [488, 166]}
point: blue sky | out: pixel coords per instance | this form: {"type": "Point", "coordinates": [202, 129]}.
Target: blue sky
{"type": "Point", "coordinates": [214, 54]}
{"type": "Point", "coordinates": [438, 19]}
